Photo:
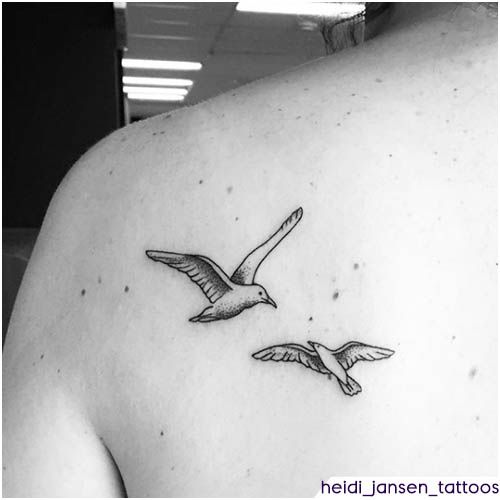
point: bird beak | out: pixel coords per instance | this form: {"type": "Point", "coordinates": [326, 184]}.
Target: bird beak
{"type": "Point", "coordinates": [270, 301]}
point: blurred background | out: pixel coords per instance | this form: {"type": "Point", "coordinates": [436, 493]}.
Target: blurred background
{"type": "Point", "coordinates": [74, 72]}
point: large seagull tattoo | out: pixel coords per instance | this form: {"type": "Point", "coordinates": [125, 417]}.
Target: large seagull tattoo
{"type": "Point", "coordinates": [327, 361]}
{"type": "Point", "coordinates": [229, 296]}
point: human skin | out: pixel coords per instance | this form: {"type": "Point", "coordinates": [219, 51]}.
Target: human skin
{"type": "Point", "coordinates": [390, 148]}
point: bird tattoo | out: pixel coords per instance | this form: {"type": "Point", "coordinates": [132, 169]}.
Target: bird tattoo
{"type": "Point", "coordinates": [228, 296]}
{"type": "Point", "coordinates": [327, 361]}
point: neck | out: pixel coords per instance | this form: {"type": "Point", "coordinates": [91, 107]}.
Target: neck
{"type": "Point", "coordinates": [465, 14]}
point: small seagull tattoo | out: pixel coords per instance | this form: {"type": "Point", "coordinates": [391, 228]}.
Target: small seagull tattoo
{"type": "Point", "coordinates": [327, 361]}
{"type": "Point", "coordinates": [229, 296]}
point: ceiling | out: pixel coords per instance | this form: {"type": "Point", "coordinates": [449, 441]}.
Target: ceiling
{"type": "Point", "coordinates": [234, 47]}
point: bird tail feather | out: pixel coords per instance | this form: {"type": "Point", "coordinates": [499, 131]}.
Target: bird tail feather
{"type": "Point", "coordinates": [351, 387]}
{"type": "Point", "coordinates": [202, 319]}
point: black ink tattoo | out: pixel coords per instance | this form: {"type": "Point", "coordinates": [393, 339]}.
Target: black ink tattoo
{"type": "Point", "coordinates": [229, 296]}
{"type": "Point", "coordinates": [327, 361]}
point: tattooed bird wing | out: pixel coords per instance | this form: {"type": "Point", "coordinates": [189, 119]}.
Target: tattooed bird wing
{"type": "Point", "coordinates": [204, 272]}
{"type": "Point", "coordinates": [352, 352]}
{"type": "Point", "coordinates": [292, 352]}
{"type": "Point", "coordinates": [245, 273]}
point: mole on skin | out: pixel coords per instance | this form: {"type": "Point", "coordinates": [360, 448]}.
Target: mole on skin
{"type": "Point", "coordinates": [83, 292]}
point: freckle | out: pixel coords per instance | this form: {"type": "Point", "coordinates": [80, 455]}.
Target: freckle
{"type": "Point", "coordinates": [378, 80]}
{"type": "Point", "coordinates": [33, 364]}
{"type": "Point", "coordinates": [443, 33]}
{"type": "Point", "coordinates": [298, 117]}
{"type": "Point", "coordinates": [154, 133]}
{"type": "Point", "coordinates": [473, 372]}
{"type": "Point", "coordinates": [41, 357]}
{"type": "Point", "coordinates": [454, 159]}
{"type": "Point", "coordinates": [455, 90]}
{"type": "Point", "coordinates": [161, 433]}
{"type": "Point", "coordinates": [329, 376]}
{"type": "Point", "coordinates": [58, 370]}
{"type": "Point", "coordinates": [82, 292]}
{"type": "Point", "coordinates": [200, 181]}
{"type": "Point", "coordinates": [338, 124]}
{"type": "Point", "coordinates": [355, 266]}
{"type": "Point", "coordinates": [390, 155]}
{"type": "Point", "coordinates": [447, 121]}
{"type": "Point", "coordinates": [310, 318]}
{"type": "Point", "coordinates": [99, 280]}
{"type": "Point", "coordinates": [110, 172]}
{"type": "Point", "coordinates": [173, 467]}
{"type": "Point", "coordinates": [233, 94]}
{"type": "Point", "coordinates": [335, 295]}
{"type": "Point", "coordinates": [162, 132]}
{"type": "Point", "coordinates": [353, 95]}
{"type": "Point", "coordinates": [229, 189]}
{"type": "Point", "coordinates": [453, 337]}
{"type": "Point", "coordinates": [435, 152]}
{"type": "Point", "coordinates": [348, 113]}
{"type": "Point", "coordinates": [279, 109]}
{"type": "Point", "coordinates": [306, 89]}
{"type": "Point", "coordinates": [123, 139]}
{"type": "Point", "coordinates": [477, 417]}
{"type": "Point", "coordinates": [236, 219]}
{"type": "Point", "coordinates": [126, 289]}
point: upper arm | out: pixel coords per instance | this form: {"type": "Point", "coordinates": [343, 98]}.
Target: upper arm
{"type": "Point", "coordinates": [50, 449]}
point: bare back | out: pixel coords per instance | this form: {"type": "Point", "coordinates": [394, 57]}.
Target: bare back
{"type": "Point", "coordinates": [390, 150]}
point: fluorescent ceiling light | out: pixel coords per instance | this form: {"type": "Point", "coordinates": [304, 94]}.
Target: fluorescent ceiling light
{"type": "Point", "coordinates": [157, 64]}
{"type": "Point", "coordinates": [154, 90]}
{"type": "Point", "coordinates": [166, 82]}
{"type": "Point", "coordinates": [155, 97]}
{"type": "Point", "coordinates": [326, 9]}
